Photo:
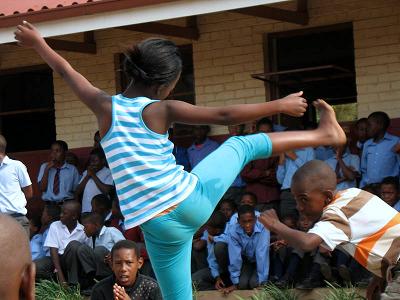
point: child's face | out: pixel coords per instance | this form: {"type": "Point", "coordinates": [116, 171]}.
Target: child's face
{"type": "Point", "coordinates": [125, 265]}
{"type": "Point", "coordinates": [289, 222]}
{"type": "Point", "coordinates": [45, 219]}
{"type": "Point", "coordinates": [310, 202]}
{"type": "Point", "coordinates": [33, 229]}
{"type": "Point", "coordinates": [96, 163]}
{"type": "Point", "coordinates": [248, 200]}
{"type": "Point", "coordinates": [227, 210]}
{"type": "Point", "coordinates": [67, 216]}
{"type": "Point", "coordinates": [373, 128]}
{"type": "Point", "coordinates": [389, 194]}
{"type": "Point", "coordinates": [304, 223]}
{"type": "Point", "coordinates": [247, 222]}
{"type": "Point", "coordinates": [90, 228]}
{"type": "Point", "coordinates": [57, 153]}
{"type": "Point", "coordinates": [362, 131]}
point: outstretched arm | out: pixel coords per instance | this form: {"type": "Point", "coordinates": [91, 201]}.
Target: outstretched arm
{"type": "Point", "coordinates": [297, 239]}
{"type": "Point", "coordinates": [97, 100]}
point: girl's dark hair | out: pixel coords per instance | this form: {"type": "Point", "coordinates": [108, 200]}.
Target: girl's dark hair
{"type": "Point", "coordinates": [154, 61]}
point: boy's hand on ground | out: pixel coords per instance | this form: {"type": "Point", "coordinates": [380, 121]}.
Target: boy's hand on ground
{"type": "Point", "coordinates": [119, 293]}
{"type": "Point", "coordinates": [269, 219]}
{"type": "Point", "coordinates": [229, 290]}
{"type": "Point", "coordinates": [27, 35]}
{"type": "Point", "coordinates": [219, 284]}
{"type": "Point", "coordinates": [294, 105]}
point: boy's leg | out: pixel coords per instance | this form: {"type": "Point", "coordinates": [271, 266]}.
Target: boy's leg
{"type": "Point", "coordinates": [102, 268]}
{"type": "Point", "coordinates": [44, 268]}
{"type": "Point", "coordinates": [203, 280]}
{"type": "Point", "coordinates": [253, 282]}
{"type": "Point", "coordinates": [245, 275]}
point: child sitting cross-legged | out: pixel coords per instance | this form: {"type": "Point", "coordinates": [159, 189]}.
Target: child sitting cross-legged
{"type": "Point", "coordinates": [361, 223]}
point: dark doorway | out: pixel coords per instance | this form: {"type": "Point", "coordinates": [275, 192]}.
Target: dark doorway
{"type": "Point", "coordinates": [27, 108]}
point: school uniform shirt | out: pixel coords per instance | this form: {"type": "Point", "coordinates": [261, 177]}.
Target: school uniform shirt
{"type": "Point", "coordinates": [254, 248]}
{"type": "Point", "coordinates": [91, 188]}
{"type": "Point", "coordinates": [232, 222]}
{"type": "Point", "coordinates": [397, 206]}
{"type": "Point", "coordinates": [324, 152]}
{"type": "Point", "coordinates": [107, 238]}
{"type": "Point", "coordinates": [197, 153]}
{"type": "Point", "coordinates": [144, 288]}
{"type": "Point", "coordinates": [13, 177]}
{"type": "Point", "coordinates": [286, 171]}
{"type": "Point", "coordinates": [69, 180]}
{"type": "Point", "coordinates": [350, 160]}
{"type": "Point", "coordinates": [364, 226]}
{"type": "Point", "coordinates": [378, 160]}
{"type": "Point", "coordinates": [211, 259]}
{"type": "Point", "coordinates": [36, 245]}
{"type": "Point", "coordinates": [181, 157]}
{"type": "Point", "coordinates": [59, 236]}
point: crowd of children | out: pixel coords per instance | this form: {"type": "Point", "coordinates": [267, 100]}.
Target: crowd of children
{"type": "Point", "coordinates": [82, 246]}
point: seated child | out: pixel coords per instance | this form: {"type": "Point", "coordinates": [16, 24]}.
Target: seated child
{"type": "Point", "coordinates": [102, 205]}
{"type": "Point", "coordinates": [248, 247]}
{"type": "Point", "coordinates": [227, 207]}
{"type": "Point", "coordinates": [64, 237]}
{"type": "Point", "coordinates": [348, 218]}
{"type": "Point", "coordinates": [36, 239]}
{"type": "Point", "coordinates": [210, 278]}
{"type": "Point", "coordinates": [126, 282]}
{"type": "Point", "coordinates": [390, 191]}
{"type": "Point", "coordinates": [95, 180]}
{"type": "Point", "coordinates": [101, 240]}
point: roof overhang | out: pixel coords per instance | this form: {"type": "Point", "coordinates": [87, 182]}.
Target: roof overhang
{"type": "Point", "coordinates": [99, 15]}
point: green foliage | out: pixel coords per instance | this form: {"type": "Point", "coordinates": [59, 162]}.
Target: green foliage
{"type": "Point", "coordinates": [339, 293]}
{"type": "Point", "coordinates": [272, 292]}
{"type": "Point", "coordinates": [51, 290]}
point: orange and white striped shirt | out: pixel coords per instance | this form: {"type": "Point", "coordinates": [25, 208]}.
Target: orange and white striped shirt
{"type": "Point", "coordinates": [364, 226]}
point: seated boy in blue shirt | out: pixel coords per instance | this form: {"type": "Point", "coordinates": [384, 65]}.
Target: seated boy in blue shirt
{"type": "Point", "coordinates": [390, 191]}
{"type": "Point", "coordinates": [211, 278]}
{"type": "Point", "coordinates": [248, 247]}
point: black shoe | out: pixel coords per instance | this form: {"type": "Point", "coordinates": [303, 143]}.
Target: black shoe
{"type": "Point", "coordinates": [308, 284]}
{"type": "Point", "coordinates": [87, 292]}
{"type": "Point", "coordinates": [284, 283]}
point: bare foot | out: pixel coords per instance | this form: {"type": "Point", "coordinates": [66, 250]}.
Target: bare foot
{"type": "Point", "coordinates": [332, 133]}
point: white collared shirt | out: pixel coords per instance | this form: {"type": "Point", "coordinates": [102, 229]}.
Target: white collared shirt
{"type": "Point", "coordinates": [59, 236]}
{"type": "Point", "coordinates": [91, 188]}
{"type": "Point", "coordinates": [107, 238]}
{"type": "Point", "coordinates": [13, 177]}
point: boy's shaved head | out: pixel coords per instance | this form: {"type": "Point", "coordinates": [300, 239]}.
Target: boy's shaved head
{"type": "Point", "coordinates": [74, 206]}
{"type": "Point", "coordinates": [316, 174]}
{"type": "Point", "coordinates": [18, 272]}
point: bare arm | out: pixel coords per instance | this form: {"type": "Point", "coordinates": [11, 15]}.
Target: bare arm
{"type": "Point", "coordinates": [348, 173]}
{"type": "Point", "coordinates": [28, 192]}
{"type": "Point", "coordinates": [97, 100]}
{"type": "Point", "coordinates": [57, 265]}
{"type": "Point", "coordinates": [297, 239]}
{"type": "Point", "coordinates": [161, 115]}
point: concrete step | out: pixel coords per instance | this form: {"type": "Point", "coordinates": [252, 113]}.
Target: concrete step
{"type": "Point", "coordinates": [315, 294]}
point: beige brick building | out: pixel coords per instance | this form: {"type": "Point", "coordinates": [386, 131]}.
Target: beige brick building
{"type": "Point", "coordinates": [231, 48]}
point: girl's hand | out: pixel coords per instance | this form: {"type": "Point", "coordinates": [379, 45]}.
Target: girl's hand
{"type": "Point", "coordinates": [27, 35]}
{"type": "Point", "coordinates": [294, 105]}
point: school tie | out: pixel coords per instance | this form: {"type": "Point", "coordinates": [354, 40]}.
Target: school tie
{"type": "Point", "coordinates": [337, 170]}
{"type": "Point", "coordinates": [56, 183]}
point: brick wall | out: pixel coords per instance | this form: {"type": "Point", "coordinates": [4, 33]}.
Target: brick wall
{"type": "Point", "coordinates": [228, 51]}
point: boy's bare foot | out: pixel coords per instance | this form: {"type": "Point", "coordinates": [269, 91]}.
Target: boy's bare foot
{"type": "Point", "coordinates": [328, 125]}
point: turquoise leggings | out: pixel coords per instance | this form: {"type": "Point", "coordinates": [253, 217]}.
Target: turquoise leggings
{"type": "Point", "coordinates": [169, 238]}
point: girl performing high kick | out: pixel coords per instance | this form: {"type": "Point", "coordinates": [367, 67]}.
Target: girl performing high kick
{"type": "Point", "coordinates": [169, 203]}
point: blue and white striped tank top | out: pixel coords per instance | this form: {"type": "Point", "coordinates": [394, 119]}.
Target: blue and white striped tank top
{"type": "Point", "coordinates": [144, 170]}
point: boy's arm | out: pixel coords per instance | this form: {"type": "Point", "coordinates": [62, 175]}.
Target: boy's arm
{"type": "Point", "coordinates": [235, 259]}
{"type": "Point", "coordinates": [262, 257]}
{"type": "Point", "coordinates": [297, 239]}
{"type": "Point", "coordinates": [94, 98]}
{"type": "Point", "coordinates": [57, 265]}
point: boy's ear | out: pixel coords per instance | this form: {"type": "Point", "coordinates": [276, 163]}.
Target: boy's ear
{"type": "Point", "coordinates": [27, 288]}
{"type": "Point", "coordinates": [329, 196]}
{"type": "Point", "coordinates": [140, 262]}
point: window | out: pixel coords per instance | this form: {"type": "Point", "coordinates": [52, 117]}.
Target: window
{"type": "Point", "coordinates": [27, 108]}
{"type": "Point", "coordinates": [318, 61]}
